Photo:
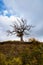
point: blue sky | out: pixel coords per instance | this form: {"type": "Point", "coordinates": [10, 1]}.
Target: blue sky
{"type": "Point", "coordinates": [32, 10]}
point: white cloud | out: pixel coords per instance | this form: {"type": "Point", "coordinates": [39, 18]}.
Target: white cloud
{"type": "Point", "coordinates": [25, 7]}
{"type": "Point", "coordinates": [7, 20]}
{"type": "Point", "coordinates": [5, 23]}
{"type": "Point", "coordinates": [5, 12]}
{"type": "Point", "coordinates": [32, 10]}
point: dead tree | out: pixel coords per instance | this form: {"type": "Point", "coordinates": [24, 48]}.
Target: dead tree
{"type": "Point", "coordinates": [20, 29]}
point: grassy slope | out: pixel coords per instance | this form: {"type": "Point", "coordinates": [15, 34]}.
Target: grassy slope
{"type": "Point", "coordinates": [33, 51]}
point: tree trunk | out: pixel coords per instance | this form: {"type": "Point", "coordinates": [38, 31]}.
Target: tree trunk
{"type": "Point", "coordinates": [21, 38]}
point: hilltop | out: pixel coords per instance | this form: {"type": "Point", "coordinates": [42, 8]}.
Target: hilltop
{"type": "Point", "coordinates": [21, 53]}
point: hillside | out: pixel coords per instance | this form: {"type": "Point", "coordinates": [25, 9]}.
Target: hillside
{"type": "Point", "coordinates": [21, 53]}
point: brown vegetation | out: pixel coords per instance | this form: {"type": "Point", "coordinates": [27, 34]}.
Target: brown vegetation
{"type": "Point", "coordinates": [21, 53]}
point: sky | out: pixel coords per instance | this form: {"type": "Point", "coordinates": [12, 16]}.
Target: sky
{"type": "Point", "coordinates": [31, 10]}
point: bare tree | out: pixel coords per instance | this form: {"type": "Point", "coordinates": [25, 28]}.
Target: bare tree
{"type": "Point", "coordinates": [20, 29]}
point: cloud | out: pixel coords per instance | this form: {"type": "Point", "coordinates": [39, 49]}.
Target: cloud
{"type": "Point", "coordinates": [32, 10]}
{"type": "Point", "coordinates": [5, 23]}
{"type": "Point", "coordinates": [5, 12]}
{"type": "Point", "coordinates": [25, 7]}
